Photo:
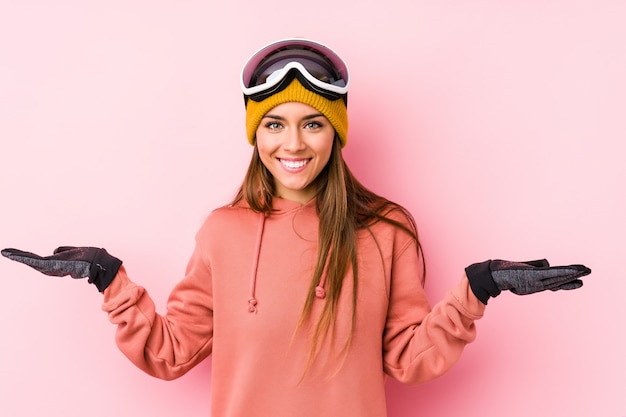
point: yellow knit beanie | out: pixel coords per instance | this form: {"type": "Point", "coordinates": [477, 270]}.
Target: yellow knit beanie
{"type": "Point", "coordinates": [334, 110]}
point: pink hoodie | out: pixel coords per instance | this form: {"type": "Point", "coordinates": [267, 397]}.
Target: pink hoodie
{"type": "Point", "coordinates": [242, 297]}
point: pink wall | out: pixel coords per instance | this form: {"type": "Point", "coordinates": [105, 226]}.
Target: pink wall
{"type": "Point", "coordinates": [500, 125]}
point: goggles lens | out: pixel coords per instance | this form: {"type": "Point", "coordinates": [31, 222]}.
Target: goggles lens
{"type": "Point", "coordinates": [317, 67]}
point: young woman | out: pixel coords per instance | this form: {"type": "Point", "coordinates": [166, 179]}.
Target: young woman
{"type": "Point", "coordinates": [308, 288]}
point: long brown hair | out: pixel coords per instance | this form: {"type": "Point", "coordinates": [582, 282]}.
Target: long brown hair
{"type": "Point", "coordinates": [344, 206]}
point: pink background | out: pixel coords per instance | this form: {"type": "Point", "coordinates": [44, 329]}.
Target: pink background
{"type": "Point", "coordinates": [499, 124]}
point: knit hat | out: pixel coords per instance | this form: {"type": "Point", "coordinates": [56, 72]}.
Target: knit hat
{"type": "Point", "coordinates": [334, 110]}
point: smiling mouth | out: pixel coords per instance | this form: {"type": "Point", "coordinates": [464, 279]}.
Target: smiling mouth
{"type": "Point", "coordinates": [294, 164]}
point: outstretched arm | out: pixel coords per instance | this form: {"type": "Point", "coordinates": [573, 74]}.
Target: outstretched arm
{"type": "Point", "coordinates": [164, 346]}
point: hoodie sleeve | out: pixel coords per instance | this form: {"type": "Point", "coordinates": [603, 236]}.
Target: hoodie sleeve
{"type": "Point", "coordinates": [170, 345]}
{"type": "Point", "coordinates": [420, 343]}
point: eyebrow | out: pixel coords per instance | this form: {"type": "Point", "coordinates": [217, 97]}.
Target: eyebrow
{"type": "Point", "coordinates": [277, 117]}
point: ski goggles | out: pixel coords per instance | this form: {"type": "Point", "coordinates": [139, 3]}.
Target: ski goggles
{"type": "Point", "coordinates": [317, 67]}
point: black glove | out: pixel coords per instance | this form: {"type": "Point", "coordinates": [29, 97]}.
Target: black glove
{"type": "Point", "coordinates": [94, 263]}
{"type": "Point", "coordinates": [489, 278]}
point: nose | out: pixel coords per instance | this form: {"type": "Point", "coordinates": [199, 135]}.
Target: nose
{"type": "Point", "coordinates": [294, 141]}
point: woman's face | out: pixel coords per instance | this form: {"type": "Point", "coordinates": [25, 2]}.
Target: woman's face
{"type": "Point", "coordinates": [295, 142]}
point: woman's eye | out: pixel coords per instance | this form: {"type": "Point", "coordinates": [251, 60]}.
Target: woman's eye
{"type": "Point", "coordinates": [273, 125]}
{"type": "Point", "coordinates": [313, 125]}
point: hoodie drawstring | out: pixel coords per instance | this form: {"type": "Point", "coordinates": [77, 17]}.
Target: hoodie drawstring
{"type": "Point", "coordinates": [320, 292]}
{"type": "Point", "coordinates": [252, 302]}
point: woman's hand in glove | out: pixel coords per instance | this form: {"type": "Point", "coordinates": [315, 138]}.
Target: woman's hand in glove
{"type": "Point", "coordinates": [489, 278]}
{"type": "Point", "coordinates": [78, 262]}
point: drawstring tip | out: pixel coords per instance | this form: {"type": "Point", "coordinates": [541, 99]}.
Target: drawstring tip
{"type": "Point", "coordinates": [252, 305]}
{"type": "Point", "coordinates": [320, 292]}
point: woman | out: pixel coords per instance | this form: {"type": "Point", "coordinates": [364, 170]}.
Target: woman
{"type": "Point", "coordinates": [308, 288]}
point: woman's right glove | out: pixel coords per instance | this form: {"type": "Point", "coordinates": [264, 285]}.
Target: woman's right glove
{"type": "Point", "coordinates": [487, 279]}
{"type": "Point", "coordinates": [78, 262]}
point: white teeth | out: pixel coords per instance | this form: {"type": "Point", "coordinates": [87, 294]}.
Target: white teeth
{"type": "Point", "coordinates": [294, 164]}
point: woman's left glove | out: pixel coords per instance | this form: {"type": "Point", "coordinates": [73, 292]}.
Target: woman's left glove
{"type": "Point", "coordinates": [487, 279]}
{"type": "Point", "coordinates": [78, 262]}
